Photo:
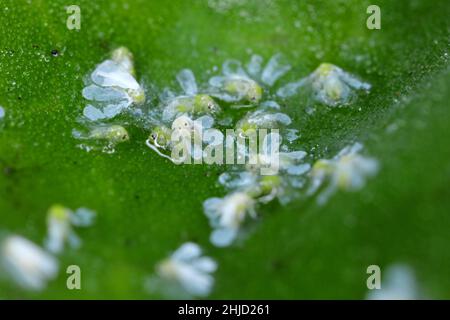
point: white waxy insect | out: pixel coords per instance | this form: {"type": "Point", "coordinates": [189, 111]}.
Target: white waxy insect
{"type": "Point", "coordinates": [113, 87]}
{"type": "Point", "coordinates": [289, 162]}
{"type": "Point", "coordinates": [239, 85]}
{"type": "Point", "coordinates": [261, 188]}
{"type": "Point", "coordinates": [124, 57]}
{"type": "Point", "coordinates": [399, 283]}
{"type": "Point", "coordinates": [184, 132]}
{"type": "Point", "coordinates": [28, 265]}
{"type": "Point", "coordinates": [184, 274]}
{"type": "Point", "coordinates": [348, 171]}
{"type": "Point", "coordinates": [60, 223]}
{"type": "Point", "coordinates": [272, 156]}
{"type": "Point", "coordinates": [103, 137]}
{"type": "Point", "coordinates": [329, 85]}
{"type": "Point", "coordinates": [284, 171]}
{"type": "Point", "coordinates": [263, 119]}
{"type": "Point", "coordinates": [183, 123]}
{"type": "Point", "coordinates": [191, 102]}
{"type": "Point", "coordinates": [99, 134]}
{"type": "Point", "coordinates": [227, 215]}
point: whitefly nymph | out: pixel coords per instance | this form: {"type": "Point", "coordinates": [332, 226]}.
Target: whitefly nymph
{"type": "Point", "coordinates": [190, 102]}
{"type": "Point", "coordinates": [239, 84]}
{"type": "Point", "coordinates": [104, 137]}
{"type": "Point", "coordinates": [347, 171]}
{"type": "Point", "coordinates": [26, 264]}
{"type": "Point", "coordinates": [160, 137]}
{"type": "Point", "coordinates": [113, 134]}
{"type": "Point", "coordinates": [274, 154]}
{"type": "Point", "coordinates": [284, 172]}
{"type": "Point", "coordinates": [185, 134]}
{"type": "Point", "coordinates": [112, 87]}
{"type": "Point", "coordinates": [60, 227]}
{"type": "Point", "coordinates": [261, 188]}
{"type": "Point", "coordinates": [328, 84]}
{"type": "Point", "coordinates": [227, 215]}
{"type": "Point", "coordinates": [262, 119]}
{"type": "Point", "coordinates": [186, 273]}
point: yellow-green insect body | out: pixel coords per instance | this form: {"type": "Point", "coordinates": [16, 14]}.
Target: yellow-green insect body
{"type": "Point", "coordinates": [347, 171]}
{"type": "Point", "coordinates": [328, 84]}
{"type": "Point", "coordinates": [262, 119]}
{"type": "Point", "coordinates": [265, 186]}
{"type": "Point", "coordinates": [322, 166]}
{"type": "Point", "coordinates": [161, 137]}
{"type": "Point", "coordinates": [59, 228]}
{"type": "Point", "coordinates": [243, 89]}
{"type": "Point", "coordinates": [58, 213]}
{"type": "Point", "coordinates": [137, 95]}
{"type": "Point", "coordinates": [124, 57]}
{"type": "Point", "coordinates": [60, 223]}
{"type": "Point", "coordinates": [205, 104]}
{"type": "Point", "coordinates": [198, 104]}
{"type": "Point", "coordinates": [244, 84]}
{"type": "Point", "coordinates": [247, 128]}
{"type": "Point", "coordinates": [113, 133]}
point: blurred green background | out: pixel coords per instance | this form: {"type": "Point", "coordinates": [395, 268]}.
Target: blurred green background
{"type": "Point", "coordinates": [147, 207]}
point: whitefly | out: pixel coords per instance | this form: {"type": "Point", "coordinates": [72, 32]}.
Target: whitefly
{"type": "Point", "coordinates": [26, 264]}
{"type": "Point", "coordinates": [186, 273]}
{"type": "Point", "coordinates": [185, 134]}
{"type": "Point", "coordinates": [190, 102]}
{"type": "Point", "coordinates": [262, 118]}
{"type": "Point", "coordinates": [239, 84]}
{"type": "Point", "coordinates": [250, 126]}
{"type": "Point", "coordinates": [103, 137]}
{"type": "Point", "coordinates": [286, 168]}
{"type": "Point", "coordinates": [227, 216]}
{"type": "Point", "coordinates": [328, 84]}
{"type": "Point", "coordinates": [112, 87]}
{"type": "Point", "coordinates": [347, 171]}
{"type": "Point", "coordinates": [60, 227]}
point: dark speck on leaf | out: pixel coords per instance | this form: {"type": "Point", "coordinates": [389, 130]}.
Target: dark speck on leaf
{"type": "Point", "coordinates": [128, 242]}
{"type": "Point", "coordinates": [55, 52]}
{"type": "Point", "coordinates": [276, 265]}
{"type": "Point", "coordinates": [8, 171]}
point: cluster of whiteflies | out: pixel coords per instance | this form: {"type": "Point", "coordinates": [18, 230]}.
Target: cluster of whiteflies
{"type": "Point", "coordinates": [239, 98]}
{"type": "Point", "coordinates": [31, 266]}
{"type": "Point", "coordinates": [111, 89]}
{"type": "Point", "coordinates": [181, 116]}
{"type": "Point", "coordinates": [184, 274]}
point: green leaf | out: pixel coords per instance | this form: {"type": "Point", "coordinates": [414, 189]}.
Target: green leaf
{"type": "Point", "coordinates": [147, 206]}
